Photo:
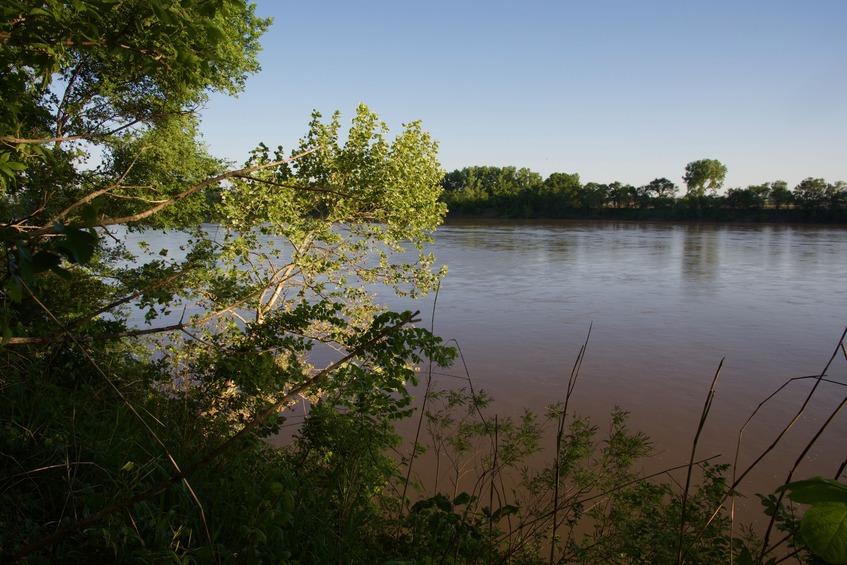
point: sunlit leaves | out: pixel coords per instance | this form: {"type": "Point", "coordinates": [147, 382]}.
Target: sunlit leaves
{"type": "Point", "coordinates": [242, 315]}
{"type": "Point", "coordinates": [704, 174]}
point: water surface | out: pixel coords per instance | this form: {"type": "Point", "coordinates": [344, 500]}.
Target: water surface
{"type": "Point", "coordinates": [666, 304]}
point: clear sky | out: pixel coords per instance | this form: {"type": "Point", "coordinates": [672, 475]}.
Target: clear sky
{"type": "Point", "coordinates": [612, 90]}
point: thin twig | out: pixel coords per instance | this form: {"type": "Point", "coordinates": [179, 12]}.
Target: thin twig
{"type": "Point", "coordinates": [427, 391]}
{"type": "Point", "coordinates": [680, 554]}
{"type": "Point", "coordinates": [91, 196]}
{"type": "Point", "coordinates": [819, 379]}
{"type": "Point", "coordinates": [559, 438]}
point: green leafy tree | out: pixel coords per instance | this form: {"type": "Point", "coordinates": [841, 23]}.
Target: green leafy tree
{"type": "Point", "coordinates": [702, 175]}
{"type": "Point", "coordinates": [837, 193]}
{"type": "Point", "coordinates": [464, 191]}
{"type": "Point", "coordinates": [594, 196]}
{"type": "Point", "coordinates": [812, 194]}
{"type": "Point", "coordinates": [560, 193]}
{"type": "Point", "coordinates": [508, 190]}
{"type": "Point", "coordinates": [622, 195]}
{"type": "Point", "coordinates": [115, 433]}
{"type": "Point", "coordinates": [780, 197]}
{"type": "Point", "coordinates": [562, 183]}
{"type": "Point", "coordinates": [473, 189]}
{"type": "Point", "coordinates": [659, 192]}
{"type": "Point", "coordinates": [661, 188]}
{"type": "Point", "coordinates": [752, 197]}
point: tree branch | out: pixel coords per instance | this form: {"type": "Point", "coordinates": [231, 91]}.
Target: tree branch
{"type": "Point", "coordinates": [89, 197]}
{"type": "Point", "coordinates": [75, 323]}
{"type": "Point", "coordinates": [47, 230]}
{"type": "Point", "coordinates": [209, 182]}
{"type": "Point", "coordinates": [10, 140]}
{"type": "Point", "coordinates": [297, 187]}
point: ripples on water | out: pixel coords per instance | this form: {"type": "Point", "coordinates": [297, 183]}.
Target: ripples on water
{"type": "Point", "coordinates": [666, 303]}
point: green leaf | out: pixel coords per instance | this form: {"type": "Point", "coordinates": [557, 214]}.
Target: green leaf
{"type": "Point", "coordinates": [504, 511]}
{"type": "Point", "coordinates": [815, 491]}
{"type": "Point", "coordinates": [288, 501]}
{"type": "Point", "coordinates": [14, 290]}
{"type": "Point", "coordinates": [443, 503]}
{"type": "Point", "coordinates": [213, 33]}
{"type": "Point", "coordinates": [89, 215]}
{"type": "Point", "coordinates": [23, 258]}
{"type": "Point", "coordinates": [463, 498]}
{"type": "Point", "coordinates": [78, 245]}
{"type": "Point", "coordinates": [44, 260]}
{"type": "Point", "coordinates": [15, 166]}
{"type": "Point", "coordinates": [824, 529]}
{"type": "Point", "coordinates": [745, 558]}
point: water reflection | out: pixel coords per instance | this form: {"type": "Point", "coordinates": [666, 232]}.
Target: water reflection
{"type": "Point", "coordinates": [701, 254]}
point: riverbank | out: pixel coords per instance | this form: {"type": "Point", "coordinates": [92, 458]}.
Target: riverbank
{"type": "Point", "coordinates": [672, 214]}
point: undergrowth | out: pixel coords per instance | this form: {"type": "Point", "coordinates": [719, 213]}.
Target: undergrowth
{"type": "Point", "coordinates": [473, 487]}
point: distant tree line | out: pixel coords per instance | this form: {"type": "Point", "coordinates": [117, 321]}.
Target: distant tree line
{"type": "Point", "coordinates": [521, 193]}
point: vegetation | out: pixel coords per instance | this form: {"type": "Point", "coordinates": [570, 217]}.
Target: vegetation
{"type": "Point", "coordinates": [138, 386]}
{"type": "Point", "coordinates": [704, 174]}
{"type": "Point", "coordinates": [130, 439]}
{"type": "Point", "coordinates": [521, 193]}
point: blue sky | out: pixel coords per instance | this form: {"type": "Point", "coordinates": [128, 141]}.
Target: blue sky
{"type": "Point", "coordinates": [612, 90]}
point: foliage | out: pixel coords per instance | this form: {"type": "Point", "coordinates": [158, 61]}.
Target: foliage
{"type": "Point", "coordinates": [704, 174]}
{"type": "Point", "coordinates": [587, 505]}
{"type": "Point", "coordinates": [752, 197]}
{"type": "Point", "coordinates": [823, 527]}
{"type": "Point", "coordinates": [125, 427]}
{"type": "Point", "coordinates": [132, 435]}
{"type": "Point", "coordinates": [480, 191]}
{"type": "Point", "coordinates": [816, 194]}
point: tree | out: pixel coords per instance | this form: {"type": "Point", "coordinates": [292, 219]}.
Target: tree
{"type": "Point", "coordinates": [527, 180]}
{"type": "Point", "coordinates": [811, 194]}
{"type": "Point", "coordinates": [561, 184]}
{"type": "Point", "coordinates": [661, 188]}
{"type": "Point", "coordinates": [560, 192]}
{"type": "Point", "coordinates": [107, 425]}
{"type": "Point", "coordinates": [594, 196]}
{"type": "Point", "coordinates": [759, 194]}
{"type": "Point", "coordinates": [469, 189]}
{"type": "Point", "coordinates": [837, 193]}
{"type": "Point", "coordinates": [780, 197]}
{"type": "Point", "coordinates": [621, 195]}
{"type": "Point", "coordinates": [704, 174]}
{"type": "Point", "coordinates": [658, 192]}
{"type": "Point", "coordinates": [752, 197]}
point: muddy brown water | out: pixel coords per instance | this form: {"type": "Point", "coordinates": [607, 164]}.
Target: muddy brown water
{"type": "Point", "coordinates": [666, 304]}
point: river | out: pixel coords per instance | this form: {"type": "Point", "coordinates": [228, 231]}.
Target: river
{"type": "Point", "coordinates": [665, 304]}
